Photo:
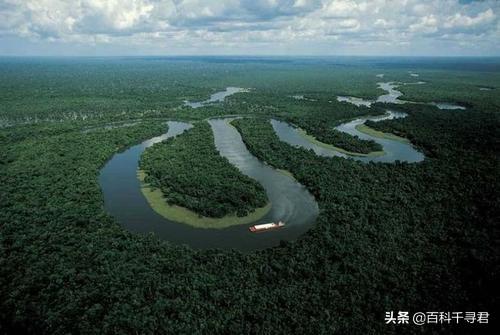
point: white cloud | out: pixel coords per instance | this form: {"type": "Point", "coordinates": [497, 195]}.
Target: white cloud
{"type": "Point", "coordinates": [170, 24]}
{"type": "Point", "coordinates": [427, 24]}
{"type": "Point", "coordinates": [460, 20]}
{"type": "Point", "coordinates": [341, 8]}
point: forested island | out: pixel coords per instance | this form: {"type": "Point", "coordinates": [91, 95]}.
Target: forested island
{"type": "Point", "coordinates": [190, 173]}
{"type": "Point", "coordinates": [351, 144]}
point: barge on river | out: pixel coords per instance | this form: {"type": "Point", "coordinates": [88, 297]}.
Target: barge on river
{"type": "Point", "coordinates": [266, 226]}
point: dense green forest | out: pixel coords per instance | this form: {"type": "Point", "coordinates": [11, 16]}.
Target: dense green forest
{"type": "Point", "coordinates": [415, 218]}
{"type": "Point", "coordinates": [55, 89]}
{"type": "Point", "coordinates": [417, 237]}
{"type": "Point", "coordinates": [324, 132]}
{"type": "Point", "coordinates": [190, 172]}
{"type": "Point", "coordinates": [318, 116]}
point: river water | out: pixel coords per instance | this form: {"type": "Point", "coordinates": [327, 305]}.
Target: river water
{"type": "Point", "coordinates": [290, 201]}
{"type": "Point", "coordinates": [447, 105]}
{"type": "Point", "coordinates": [392, 96]}
{"type": "Point", "coordinates": [216, 97]}
{"type": "Point", "coordinates": [393, 150]}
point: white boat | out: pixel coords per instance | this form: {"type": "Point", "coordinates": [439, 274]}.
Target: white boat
{"type": "Point", "coordinates": [266, 226]}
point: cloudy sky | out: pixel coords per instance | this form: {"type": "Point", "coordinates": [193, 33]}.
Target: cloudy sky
{"type": "Point", "coordinates": [250, 27]}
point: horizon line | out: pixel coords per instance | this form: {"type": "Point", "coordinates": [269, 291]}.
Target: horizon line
{"type": "Point", "coordinates": [248, 56]}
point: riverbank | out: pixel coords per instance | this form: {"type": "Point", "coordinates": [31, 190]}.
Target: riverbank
{"type": "Point", "coordinates": [362, 128]}
{"type": "Point", "coordinates": [287, 173]}
{"type": "Point", "coordinates": [312, 139]}
{"type": "Point", "coordinates": [156, 200]}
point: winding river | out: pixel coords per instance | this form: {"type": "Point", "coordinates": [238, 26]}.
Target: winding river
{"type": "Point", "coordinates": [392, 96]}
{"type": "Point", "coordinates": [216, 97]}
{"type": "Point", "coordinates": [290, 201]}
{"type": "Point", "coordinates": [393, 149]}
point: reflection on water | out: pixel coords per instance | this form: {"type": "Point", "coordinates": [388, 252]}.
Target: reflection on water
{"type": "Point", "coordinates": [302, 97]}
{"type": "Point", "coordinates": [291, 202]}
{"type": "Point", "coordinates": [174, 128]}
{"type": "Point", "coordinates": [354, 100]}
{"type": "Point", "coordinates": [216, 97]}
{"type": "Point", "coordinates": [416, 83]}
{"type": "Point", "coordinates": [291, 135]}
{"type": "Point", "coordinates": [392, 96]}
{"type": "Point", "coordinates": [394, 150]}
{"type": "Point", "coordinates": [447, 105]}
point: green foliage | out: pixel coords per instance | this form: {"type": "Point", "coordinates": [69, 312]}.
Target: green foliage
{"type": "Point", "coordinates": [190, 172]}
{"type": "Point", "coordinates": [324, 132]}
{"type": "Point", "coordinates": [406, 223]}
{"type": "Point", "coordinates": [37, 90]}
{"type": "Point", "coordinates": [418, 237]}
{"type": "Point", "coordinates": [317, 115]}
{"type": "Point", "coordinates": [456, 87]}
{"type": "Point", "coordinates": [320, 123]}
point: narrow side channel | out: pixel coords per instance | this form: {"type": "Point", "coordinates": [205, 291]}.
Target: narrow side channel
{"type": "Point", "coordinates": [394, 149]}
